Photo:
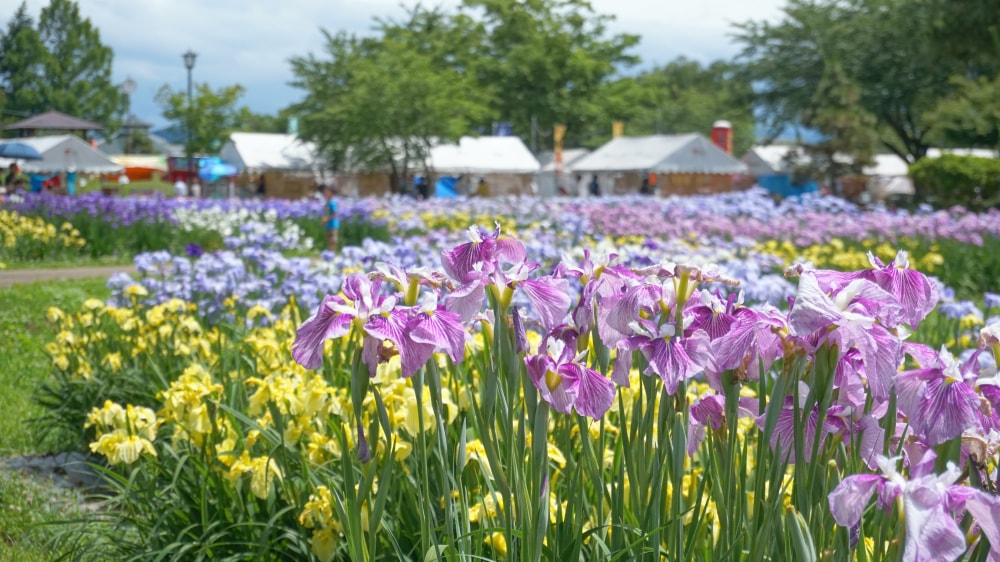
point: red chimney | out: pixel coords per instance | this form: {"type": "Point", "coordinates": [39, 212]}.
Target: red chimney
{"type": "Point", "coordinates": [722, 135]}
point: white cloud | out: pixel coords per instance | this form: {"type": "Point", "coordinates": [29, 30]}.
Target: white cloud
{"type": "Point", "coordinates": [250, 41]}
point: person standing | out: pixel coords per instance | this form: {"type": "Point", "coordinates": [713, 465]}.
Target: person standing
{"type": "Point", "coordinates": [331, 221]}
{"type": "Point", "coordinates": [595, 187]}
{"type": "Point", "coordinates": [12, 173]}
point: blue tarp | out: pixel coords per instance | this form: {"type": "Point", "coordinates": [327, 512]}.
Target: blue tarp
{"type": "Point", "coordinates": [446, 187]}
{"type": "Point", "coordinates": [213, 168]}
{"type": "Point", "coordinates": [782, 185]}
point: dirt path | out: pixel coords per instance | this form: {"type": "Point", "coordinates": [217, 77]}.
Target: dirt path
{"type": "Point", "coordinates": [22, 276]}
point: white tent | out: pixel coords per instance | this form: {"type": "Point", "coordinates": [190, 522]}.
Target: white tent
{"type": "Point", "coordinates": [669, 154]}
{"type": "Point", "coordinates": [64, 153]}
{"type": "Point", "coordinates": [483, 155]}
{"type": "Point", "coordinates": [269, 151]}
{"type": "Point", "coordinates": [546, 180]}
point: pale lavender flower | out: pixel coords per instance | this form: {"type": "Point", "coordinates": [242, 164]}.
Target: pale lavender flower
{"type": "Point", "coordinates": [852, 318]}
{"type": "Point", "coordinates": [929, 502]}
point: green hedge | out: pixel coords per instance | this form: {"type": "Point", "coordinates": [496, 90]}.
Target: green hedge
{"type": "Point", "coordinates": [959, 180]}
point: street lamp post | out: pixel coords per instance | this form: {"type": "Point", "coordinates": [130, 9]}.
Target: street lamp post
{"type": "Point", "coordinates": [189, 58]}
{"type": "Point", "coordinates": [128, 86]}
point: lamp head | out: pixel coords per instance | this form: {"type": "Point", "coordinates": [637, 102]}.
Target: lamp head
{"type": "Point", "coordinates": [189, 58]}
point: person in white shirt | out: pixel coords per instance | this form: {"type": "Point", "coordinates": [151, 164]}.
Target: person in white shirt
{"type": "Point", "coordinates": [180, 188]}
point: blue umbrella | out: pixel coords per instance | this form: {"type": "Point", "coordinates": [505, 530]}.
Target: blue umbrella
{"type": "Point", "coordinates": [19, 151]}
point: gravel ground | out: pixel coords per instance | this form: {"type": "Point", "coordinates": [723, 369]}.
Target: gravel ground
{"type": "Point", "coordinates": [66, 470]}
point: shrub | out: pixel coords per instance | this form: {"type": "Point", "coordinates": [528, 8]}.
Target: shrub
{"type": "Point", "coordinates": [959, 180]}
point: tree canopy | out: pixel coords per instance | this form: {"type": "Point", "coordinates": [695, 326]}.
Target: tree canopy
{"type": "Point", "coordinates": [59, 65]}
{"type": "Point", "coordinates": [380, 102]}
{"type": "Point", "coordinates": [213, 114]}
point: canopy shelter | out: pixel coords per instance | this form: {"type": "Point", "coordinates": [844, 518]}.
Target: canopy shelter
{"type": "Point", "coordinates": [483, 155]}
{"type": "Point", "coordinates": [65, 153]}
{"type": "Point", "coordinates": [258, 152]}
{"type": "Point", "coordinates": [486, 166]}
{"type": "Point", "coordinates": [687, 163]}
{"type": "Point", "coordinates": [51, 121]}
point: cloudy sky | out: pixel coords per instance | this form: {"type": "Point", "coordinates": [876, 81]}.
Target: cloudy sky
{"type": "Point", "coordinates": [249, 42]}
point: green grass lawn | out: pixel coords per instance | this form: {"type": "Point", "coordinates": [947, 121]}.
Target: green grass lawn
{"type": "Point", "coordinates": [24, 331]}
{"type": "Point", "coordinates": [141, 186]}
{"type": "Point", "coordinates": [28, 505]}
{"type": "Point", "coordinates": [28, 508]}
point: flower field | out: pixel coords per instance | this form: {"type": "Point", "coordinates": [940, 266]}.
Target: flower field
{"type": "Point", "coordinates": [630, 379]}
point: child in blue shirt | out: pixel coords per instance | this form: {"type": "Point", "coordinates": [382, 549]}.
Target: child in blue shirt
{"type": "Point", "coordinates": [331, 222]}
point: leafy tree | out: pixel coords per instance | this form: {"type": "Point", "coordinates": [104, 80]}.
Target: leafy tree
{"type": "Point", "coordinates": [140, 143]}
{"type": "Point", "coordinates": [379, 103]}
{"type": "Point", "coordinates": [213, 114]}
{"type": "Point", "coordinates": [246, 120]}
{"type": "Point", "coordinates": [21, 60]}
{"type": "Point", "coordinates": [682, 97]}
{"type": "Point", "coordinates": [969, 29]}
{"type": "Point", "coordinates": [76, 72]}
{"type": "Point", "coordinates": [971, 117]}
{"type": "Point", "coordinates": [849, 139]}
{"type": "Point", "coordinates": [885, 55]}
{"type": "Point", "coordinates": [548, 61]}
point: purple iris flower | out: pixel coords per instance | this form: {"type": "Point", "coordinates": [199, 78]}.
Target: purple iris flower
{"type": "Point", "coordinates": [784, 429]}
{"type": "Point", "coordinates": [915, 292]}
{"type": "Point", "coordinates": [564, 381]}
{"type": "Point", "coordinates": [418, 332]}
{"type": "Point", "coordinates": [929, 505]}
{"type": "Point", "coordinates": [753, 341]}
{"type": "Point", "coordinates": [673, 359]}
{"type": "Point", "coordinates": [939, 403]}
{"type": "Point", "coordinates": [467, 300]}
{"type": "Point", "coordinates": [194, 250]}
{"type": "Point", "coordinates": [484, 248]}
{"type": "Point", "coordinates": [549, 297]}
{"type": "Point", "coordinates": [853, 317]}
{"type": "Point", "coordinates": [361, 303]}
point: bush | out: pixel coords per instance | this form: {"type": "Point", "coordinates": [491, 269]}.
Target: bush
{"type": "Point", "coordinates": [959, 180]}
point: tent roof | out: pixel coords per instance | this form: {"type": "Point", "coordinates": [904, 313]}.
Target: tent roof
{"type": "Point", "coordinates": [55, 121]}
{"type": "Point", "coordinates": [260, 151]}
{"type": "Point", "coordinates": [689, 153]}
{"type": "Point", "coordinates": [65, 153]}
{"type": "Point", "coordinates": [483, 155]}
{"type": "Point", "coordinates": [570, 155]}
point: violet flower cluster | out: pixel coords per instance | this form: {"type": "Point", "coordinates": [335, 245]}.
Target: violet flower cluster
{"type": "Point", "coordinates": [663, 314]}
